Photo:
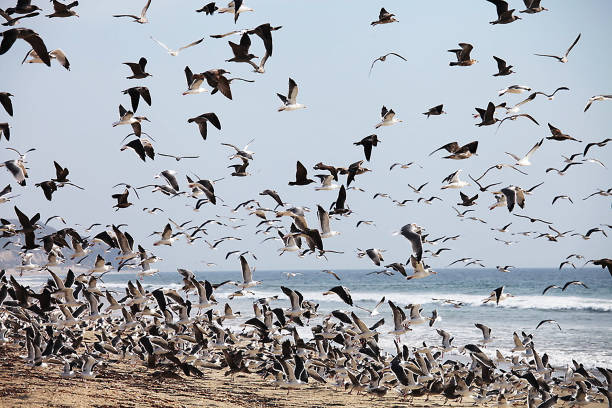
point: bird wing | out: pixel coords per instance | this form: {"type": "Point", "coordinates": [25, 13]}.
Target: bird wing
{"type": "Point", "coordinates": [144, 9]}
{"type": "Point", "coordinates": [293, 91]}
{"type": "Point", "coordinates": [192, 44]}
{"type": "Point", "coordinates": [534, 148]}
{"type": "Point", "coordinates": [162, 44]}
{"type": "Point", "coordinates": [572, 46]}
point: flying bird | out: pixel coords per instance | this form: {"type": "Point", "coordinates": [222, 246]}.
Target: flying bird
{"type": "Point", "coordinates": [562, 59]}
{"type": "Point", "coordinates": [31, 37]}
{"type": "Point", "coordinates": [383, 58]}
{"type": "Point", "coordinates": [142, 19]}
{"type": "Point", "coordinates": [174, 53]}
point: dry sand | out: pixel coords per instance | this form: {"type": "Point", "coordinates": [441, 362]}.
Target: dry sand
{"type": "Point", "coordinates": [123, 385]}
{"type": "Point", "coordinates": [133, 386]}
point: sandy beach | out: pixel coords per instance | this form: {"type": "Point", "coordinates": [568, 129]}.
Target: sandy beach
{"type": "Point", "coordinates": [125, 385]}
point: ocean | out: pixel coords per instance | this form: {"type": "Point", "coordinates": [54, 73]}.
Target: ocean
{"type": "Point", "coordinates": [585, 315]}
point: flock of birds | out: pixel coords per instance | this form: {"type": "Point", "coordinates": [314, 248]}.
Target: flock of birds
{"type": "Point", "coordinates": [74, 323]}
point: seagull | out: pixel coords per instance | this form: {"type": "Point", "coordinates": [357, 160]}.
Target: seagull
{"type": "Point", "coordinates": [562, 197]}
{"type": "Point", "coordinates": [552, 95]}
{"type": "Point", "coordinates": [57, 54]}
{"type": "Point", "coordinates": [342, 292]}
{"type": "Point", "coordinates": [367, 143]}
{"type": "Point", "coordinates": [562, 59]}
{"type": "Point", "coordinates": [178, 158]}
{"type": "Point", "coordinates": [548, 321]}
{"type": "Point", "coordinates": [532, 220]}
{"type": "Point", "coordinates": [412, 232]}
{"type": "Point", "coordinates": [383, 58]}
{"type": "Point", "coordinates": [202, 121]}
{"type": "Point", "coordinates": [578, 283]}
{"type": "Point", "coordinates": [241, 51]}
{"type": "Point", "coordinates": [136, 93]}
{"type": "Point", "coordinates": [384, 17]}
{"type": "Point", "coordinates": [533, 6]}
{"type": "Point", "coordinates": [418, 190]}
{"type": "Point", "coordinates": [5, 100]}
{"type": "Point", "coordinates": [301, 176]}
{"type": "Point", "coordinates": [502, 68]}
{"type": "Point", "coordinates": [525, 160]}
{"type": "Point", "coordinates": [63, 10]}
{"type": "Point", "coordinates": [504, 16]}
{"type": "Point", "coordinates": [562, 172]}
{"type": "Point", "coordinates": [174, 53]}
{"type": "Point", "coordinates": [10, 21]}
{"type": "Point", "coordinates": [388, 118]}
{"type": "Point", "coordinates": [463, 55]}
{"type": "Point", "coordinates": [515, 117]}
{"type": "Point", "coordinates": [420, 269]}
{"type": "Point", "coordinates": [209, 9]}
{"type": "Point", "coordinates": [138, 69]}
{"type": "Point", "coordinates": [596, 98]}
{"type": "Point", "coordinates": [454, 181]}
{"type": "Point", "coordinates": [143, 15]}
{"type": "Point", "coordinates": [505, 268]}
{"type": "Point", "coordinates": [498, 295]}
{"type": "Point", "coordinates": [166, 237]}
{"type": "Point", "coordinates": [289, 101]}
{"type": "Point", "coordinates": [235, 7]}
{"type": "Point", "coordinates": [515, 89]}
{"type": "Point", "coordinates": [332, 273]}
{"type": "Point", "coordinates": [127, 118]}
{"type": "Point", "coordinates": [436, 110]}
{"type": "Point", "coordinates": [324, 221]}
{"type": "Point", "coordinates": [514, 195]}
{"type": "Point", "coordinates": [559, 136]}
{"type": "Point", "coordinates": [31, 37]}
{"type": "Point", "coordinates": [194, 82]}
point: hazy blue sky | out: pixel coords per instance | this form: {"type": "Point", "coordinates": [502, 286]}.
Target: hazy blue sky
{"type": "Point", "coordinates": [327, 48]}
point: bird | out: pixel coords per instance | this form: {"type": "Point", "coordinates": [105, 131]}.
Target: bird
{"type": "Point", "coordinates": [235, 7]}
{"type": "Point", "coordinates": [453, 181]}
{"type": "Point", "coordinates": [136, 93]}
{"type": "Point", "coordinates": [592, 99]}
{"type": "Point", "coordinates": [367, 143]}
{"type": "Point", "coordinates": [138, 69]}
{"type": "Point", "coordinates": [127, 118]}
{"type": "Point", "coordinates": [11, 21]}
{"type": "Point", "coordinates": [142, 19]}
{"type": "Point", "coordinates": [463, 55]}
{"type": "Point", "coordinates": [558, 135]}
{"type": "Point", "coordinates": [342, 292]}
{"type": "Point", "coordinates": [524, 161]}
{"type": "Point", "coordinates": [290, 101]}
{"type": "Point", "coordinates": [418, 190]}
{"type": "Point", "coordinates": [5, 129]}
{"type": "Point", "coordinates": [5, 100]}
{"type": "Point", "coordinates": [562, 172]}
{"type": "Point", "coordinates": [301, 176]}
{"type": "Point", "coordinates": [502, 68]}
{"type": "Point", "coordinates": [467, 201]}
{"type": "Point", "coordinates": [578, 283]}
{"type": "Point", "coordinates": [384, 17]}
{"type": "Point", "coordinates": [459, 152]}
{"type": "Point", "coordinates": [202, 121]}
{"type": "Point", "coordinates": [31, 37]}
{"type": "Point", "coordinates": [383, 58]}
{"type": "Point", "coordinates": [504, 16]}
{"type": "Point", "coordinates": [122, 200]}
{"type": "Point", "coordinates": [57, 54]}
{"type": "Point", "coordinates": [209, 9]}
{"type": "Point", "coordinates": [552, 95]}
{"type": "Point", "coordinates": [533, 7]}
{"type": "Point", "coordinates": [388, 118]}
{"type": "Point", "coordinates": [412, 232]}
{"type": "Point", "coordinates": [435, 111]}
{"type": "Point", "coordinates": [514, 195]}
{"type": "Point", "coordinates": [498, 295]}
{"type": "Point", "coordinates": [241, 51]}
{"type": "Point", "coordinates": [548, 321]}
{"type": "Point", "coordinates": [514, 117]}
{"type": "Point", "coordinates": [174, 53]}
{"type": "Point", "coordinates": [63, 10]}
{"type": "Point", "coordinates": [562, 59]}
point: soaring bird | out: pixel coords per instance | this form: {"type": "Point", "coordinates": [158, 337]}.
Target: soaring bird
{"type": "Point", "coordinates": [174, 53]}
{"type": "Point", "coordinates": [301, 176]}
{"type": "Point", "coordinates": [504, 16]}
{"type": "Point", "coordinates": [31, 37]}
{"type": "Point", "coordinates": [290, 101]}
{"type": "Point", "coordinates": [367, 143]}
{"type": "Point", "coordinates": [203, 119]}
{"type": "Point", "coordinates": [142, 19]}
{"type": "Point", "coordinates": [562, 59]}
{"type": "Point", "coordinates": [383, 58]}
{"type": "Point", "coordinates": [463, 55]}
{"type": "Point", "coordinates": [384, 17]}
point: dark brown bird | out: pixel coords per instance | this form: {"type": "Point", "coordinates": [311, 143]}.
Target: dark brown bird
{"type": "Point", "coordinates": [384, 17]}
{"type": "Point", "coordinates": [28, 226]}
{"type": "Point", "coordinates": [586, 149]}
{"type": "Point", "coordinates": [604, 263]}
{"type": "Point", "coordinates": [559, 136]}
{"type": "Point", "coordinates": [436, 110]}
{"type": "Point", "coordinates": [502, 68]}
{"type": "Point", "coordinates": [467, 201]}
{"type": "Point", "coordinates": [275, 196]}
{"type": "Point", "coordinates": [122, 200]}
{"type": "Point", "coordinates": [301, 176]}
{"type": "Point", "coordinates": [48, 187]}
{"type": "Point", "coordinates": [136, 93]}
{"type": "Point", "coordinates": [332, 170]}
{"type": "Point", "coordinates": [367, 143]}
{"type": "Point", "coordinates": [30, 36]}
{"type": "Point", "coordinates": [10, 21]}
{"type": "Point", "coordinates": [22, 7]}
{"type": "Point", "coordinates": [459, 152]}
{"type": "Point", "coordinates": [486, 116]}
{"type": "Point", "coordinates": [383, 58]}
{"type": "Point", "coordinates": [203, 119]}
{"type": "Point", "coordinates": [241, 51]}
{"type": "Point", "coordinates": [63, 10]}
{"type": "Point", "coordinates": [138, 68]}
{"type": "Point", "coordinates": [217, 81]}
{"type": "Point", "coordinates": [463, 56]}
{"type": "Point", "coordinates": [504, 16]}
{"type": "Point", "coordinates": [5, 100]}
{"type": "Point", "coordinates": [354, 170]}
{"type": "Point", "coordinates": [209, 9]}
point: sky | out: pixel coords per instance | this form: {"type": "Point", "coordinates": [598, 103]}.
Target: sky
{"type": "Point", "coordinates": [327, 48]}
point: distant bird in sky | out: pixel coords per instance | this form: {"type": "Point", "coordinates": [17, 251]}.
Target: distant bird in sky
{"type": "Point", "coordinates": [562, 59]}
{"type": "Point", "coordinates": [174, 53]}
{"type": "Point", "coordinates": [383, 58]}
{"type": "Point", "coordinates": [384, 17]}
{"type": "Point", "coordinates": [142, 19]}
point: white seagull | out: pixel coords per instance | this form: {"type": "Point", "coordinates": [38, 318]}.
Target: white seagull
{"type": "Point", "coordinates": [525, 160]}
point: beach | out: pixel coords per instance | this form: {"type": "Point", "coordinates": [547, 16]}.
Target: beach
{"type": "Point", "coordinates": [133, 386]}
